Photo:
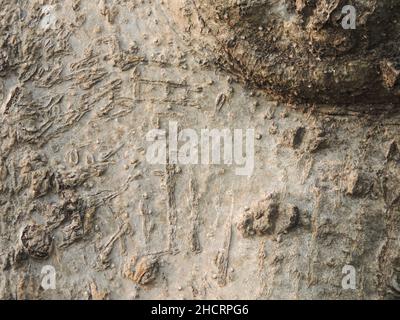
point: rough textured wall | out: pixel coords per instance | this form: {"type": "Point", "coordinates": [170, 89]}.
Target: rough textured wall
{"type": "Point", "coordinates": [83, 82]}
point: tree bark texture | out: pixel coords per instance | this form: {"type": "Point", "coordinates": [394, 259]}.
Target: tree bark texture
{"type": "Point", "coordinates": [82, 82]}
